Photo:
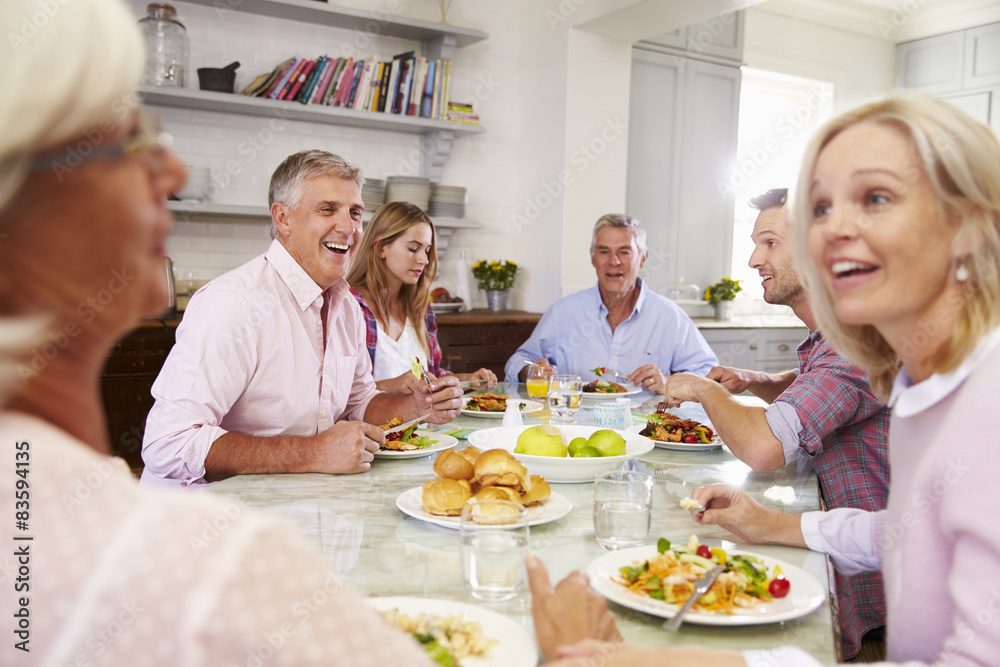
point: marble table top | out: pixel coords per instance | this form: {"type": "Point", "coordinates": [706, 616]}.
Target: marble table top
{"type": "Point", "coordinates": [353, 519]}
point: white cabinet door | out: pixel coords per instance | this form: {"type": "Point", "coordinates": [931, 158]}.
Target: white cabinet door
{"type": "Point", "coordinates": [932, 65]}
{"type": "Point", "coordinates": [683, 122]}
{"type": "Point", "coordinates": [719, 37]}
{"type": "Point", "coordinates": [735, 348]}
{"type": "Point", "coordinates": [976, 105]}
{"type": "Point", "coordinates": [982, 56]}
{"type": "Point", "coordinates": [772, 350]}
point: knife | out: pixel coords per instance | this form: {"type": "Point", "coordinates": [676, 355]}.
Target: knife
{"type": "Point", "coordinates": [406, 425]}
{"type": "Point", "coordinates": [700, 587]}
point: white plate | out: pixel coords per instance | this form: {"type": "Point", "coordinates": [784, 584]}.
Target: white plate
{"type": "Point", "coordinates": [683, 446]}
{"type": "Point", "coordinates": [446, 307]}
{"type": "Point", "coordinates": [529, 407]}
{"type": "Point", "coordinates": [564, 469]}
{"type": "Point", "coordinates": [443, 442]}
{"type": "Point", "coordinates": [594, 397]}
{"type": "Point", "coordinates": [805, 595]}
{"type": "Point", "coordinates": [554, 507]}
{"type": "Point", "coordinates": [515, 646]}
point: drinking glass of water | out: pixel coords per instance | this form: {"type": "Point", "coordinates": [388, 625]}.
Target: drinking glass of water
{"type": "Point", "coordinates": [565, 392]}
{"type": "Point", "coordinates": [493, 538]}
{"type": "Point", "coordinates": [622, 506]}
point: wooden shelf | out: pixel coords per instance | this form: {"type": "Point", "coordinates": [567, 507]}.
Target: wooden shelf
{"type": "Point", "coordinates": [323, 13]}
{"type": "Point", "coordinates": [204, 100]}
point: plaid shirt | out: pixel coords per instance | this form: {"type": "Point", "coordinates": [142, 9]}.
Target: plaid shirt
{"type": "Point", "coordinates": [371, 336]}
{"type": "Point", "coordinates": [845, 431]}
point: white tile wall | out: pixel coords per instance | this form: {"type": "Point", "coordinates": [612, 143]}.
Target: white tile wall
{"type": "Point", "coordinates": [242, 151]}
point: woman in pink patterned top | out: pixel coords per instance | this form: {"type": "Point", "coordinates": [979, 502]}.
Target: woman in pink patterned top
{"type": "Point", "coordinates": [391, 278]}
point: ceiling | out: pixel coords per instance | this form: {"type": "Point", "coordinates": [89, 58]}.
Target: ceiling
{"type": "Point", "coordinates": [895, 20]}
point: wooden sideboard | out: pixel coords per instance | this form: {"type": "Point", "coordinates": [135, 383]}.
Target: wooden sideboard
{"type": "Point", "coordinates": [480, 338]}
{"type": "Point", "coordinates": [469, 341]}
{"type": "Point", "coordinates": [125, 383]}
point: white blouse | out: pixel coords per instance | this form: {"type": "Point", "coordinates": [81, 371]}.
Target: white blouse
{"type": "Point", "coordinates": [392, 357]}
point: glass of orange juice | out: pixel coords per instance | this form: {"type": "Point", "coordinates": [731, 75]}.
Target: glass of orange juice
{"type": "Point", "coordinates": [537, 380]}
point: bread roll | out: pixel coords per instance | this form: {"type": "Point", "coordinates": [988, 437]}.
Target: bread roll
{"type": "Point", "coordinates": [539, 491]}
{"type": "Point", "coordinates": [496, 467]}
{"type": "Point", "coordinates": [471, 454]}
{"type": "Point", "coordinates": [451, 465]}
{"type": "Point", "coordinates": [445, 497]}
{"type": "Point", "coordinates": [495, 513]}
{"type": "Point", "coordinates": [497, 493]}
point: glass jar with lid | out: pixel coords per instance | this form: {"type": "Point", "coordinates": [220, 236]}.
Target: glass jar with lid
{"type": "Point", "coordinates": [166, 47]}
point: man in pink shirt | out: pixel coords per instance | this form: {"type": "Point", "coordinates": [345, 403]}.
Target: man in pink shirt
{"type": "Point", "coordinates": [270, 372]}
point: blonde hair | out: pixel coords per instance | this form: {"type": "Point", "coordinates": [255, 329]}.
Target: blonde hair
{"type": "Point", "coordinates": [368, 268]}
{"type": "Point", "coordinates": [961, 158]}
{"type": "Point", "coordinates": [70, 68]}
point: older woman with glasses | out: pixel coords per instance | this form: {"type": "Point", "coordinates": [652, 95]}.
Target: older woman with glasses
{"type": "Point", "coordinates": [119, 575]}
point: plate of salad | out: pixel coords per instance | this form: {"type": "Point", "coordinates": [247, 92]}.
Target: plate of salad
{"type": "Point", "coordinates": [753, 590]}
{"type": "Point", "coordinates": [424, 443]}
{"type": "Point", "coordinates": [456, 634]}
{"type": "Point", "coordinates": [668, 431]}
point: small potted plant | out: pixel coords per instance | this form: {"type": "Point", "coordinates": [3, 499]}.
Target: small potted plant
{"type": "Point", "coordinates": [496, 278]}
{"type": "Point", "coordinates": [721, 295]}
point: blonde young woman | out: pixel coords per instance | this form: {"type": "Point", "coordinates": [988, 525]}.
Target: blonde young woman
{"type": "Point", "coordinates": [896, 221]}
{"type": "Point", "coordinates": [391, 278]}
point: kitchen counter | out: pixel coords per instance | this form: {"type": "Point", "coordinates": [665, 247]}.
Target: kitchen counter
{"type": "Point", "coordinates": [750, 322]}
{"type": "Point", "coordinates": [353, 519]}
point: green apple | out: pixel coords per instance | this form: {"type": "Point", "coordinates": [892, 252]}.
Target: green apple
{"type": "Point", "coordinates": [607, 442]}
{"type": "Point", "coordinates": [585, 452]}
{"type": "Point", "coordinates": [541, 440]}
{"type": "Point", "coordinates": [576, 444]}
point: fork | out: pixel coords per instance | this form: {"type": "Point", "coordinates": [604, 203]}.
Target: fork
{"type": "Point", "coordinates": [427, 381]}
{"type": "Point", "coordinates": [662, 407]}
{"type": "Point", "coordinates": [609, 371]}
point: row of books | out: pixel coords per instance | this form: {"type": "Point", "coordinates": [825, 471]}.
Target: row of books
{"type": "Point", "coordinates": [406, 85]}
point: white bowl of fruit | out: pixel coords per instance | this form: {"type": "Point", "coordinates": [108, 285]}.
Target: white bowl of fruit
{"type": "Point", "coordinates": [564, 453]}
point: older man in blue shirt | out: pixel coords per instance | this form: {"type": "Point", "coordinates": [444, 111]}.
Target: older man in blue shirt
{"type": "Point", "coordinates": [620, 324]}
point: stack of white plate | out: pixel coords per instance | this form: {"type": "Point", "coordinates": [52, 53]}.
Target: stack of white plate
{"type": "Point", "coordinates": [373, 194]}
{"type": "Point", "coordinates": [447, 201]}
{"type": "Point", "coordinates": [412, 189]}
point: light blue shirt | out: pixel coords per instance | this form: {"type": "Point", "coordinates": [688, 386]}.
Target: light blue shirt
{"type": "Point", "coordinates": [574, 334]}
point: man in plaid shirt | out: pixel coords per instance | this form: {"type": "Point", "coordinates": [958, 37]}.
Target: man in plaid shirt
{"type": "Point", "coordinates": [824, 413]}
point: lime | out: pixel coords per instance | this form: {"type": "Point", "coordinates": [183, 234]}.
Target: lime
{"type": "Point", "coordinates": [576, 444]}
{"type": "Point", "coordinates": [586, 452]}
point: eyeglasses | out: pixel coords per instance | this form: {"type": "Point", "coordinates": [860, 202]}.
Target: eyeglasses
{"type": "Point", "coordinates": [147, 141]}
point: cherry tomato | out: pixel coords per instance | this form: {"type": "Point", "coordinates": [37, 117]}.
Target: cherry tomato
{"type": "Point", "coordinates": [779, 587]}
{"type": "Point", "coordinates": [690, 438]}
{"type": "Point", "coordinates": [704, 551]}
{"type": "Point", "coordinates": [709, 432]}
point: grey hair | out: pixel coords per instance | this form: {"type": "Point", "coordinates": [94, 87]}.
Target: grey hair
{"type": "Point", "coordinates": [70, 75]}
{"type": "Point", "coordinates": [286, 181]}
{"type": "Point", "coordinates": [71, 71]}
{"type": "Point", "coordinates": [622, 221]}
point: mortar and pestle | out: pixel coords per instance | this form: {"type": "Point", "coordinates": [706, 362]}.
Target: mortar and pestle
{"type": "Point", "coordinates": [220, 79]}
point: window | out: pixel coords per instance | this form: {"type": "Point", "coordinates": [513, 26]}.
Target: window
{"type": "Point", "coordinates": [778, 115]}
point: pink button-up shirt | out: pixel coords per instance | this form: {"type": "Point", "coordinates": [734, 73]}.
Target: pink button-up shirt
{"type": "Point", "coordinates": [250, 358]}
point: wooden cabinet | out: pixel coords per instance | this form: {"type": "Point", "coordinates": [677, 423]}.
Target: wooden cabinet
{"type": "Point", "coordinates": [482, 339]}
{"type": "Point", "coordinates": [125, 383]}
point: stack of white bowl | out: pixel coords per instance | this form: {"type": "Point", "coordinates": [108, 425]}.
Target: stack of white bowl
{"type": "Point", "coordinates": [411, 189]}
{"type": "Point", "coordinates": [447, 201]}
{"type": "Point", "coordinates": [373, 194]}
